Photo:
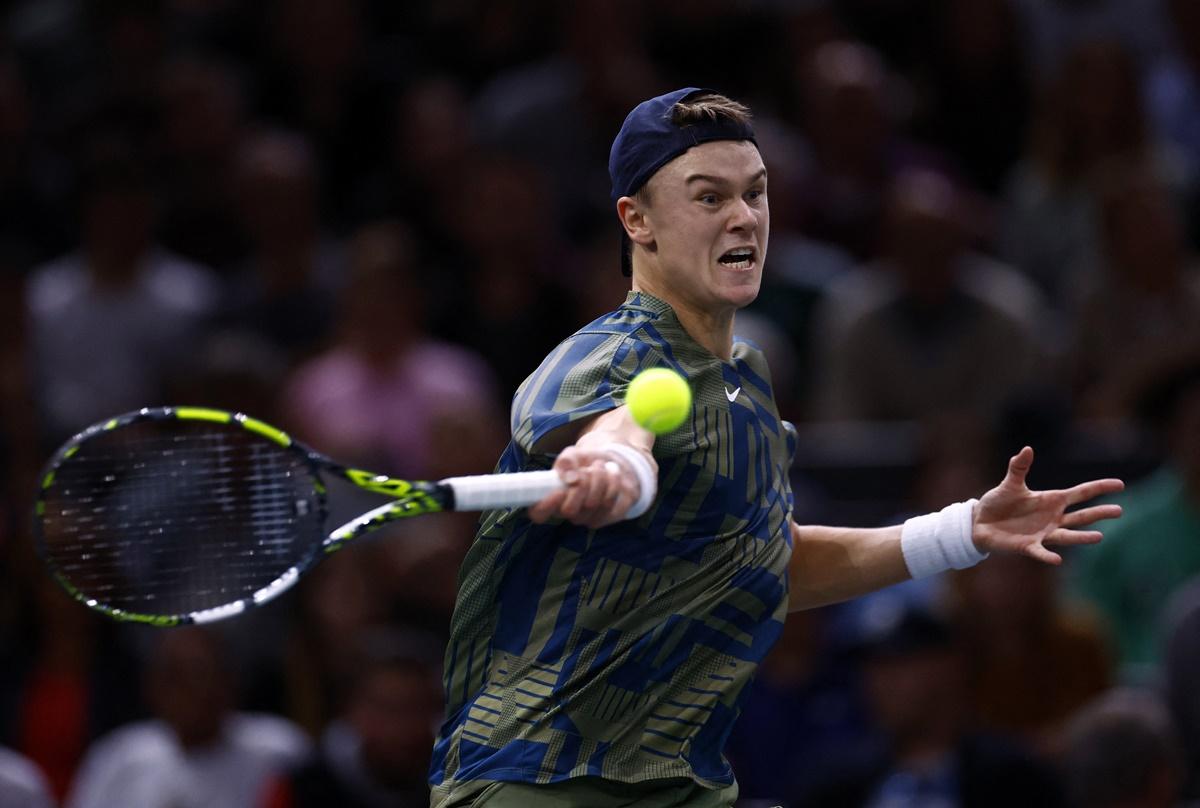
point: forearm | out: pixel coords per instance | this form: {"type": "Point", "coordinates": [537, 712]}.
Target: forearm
{"type": "Point", "coordinates": [831, 564]}
{"type": "Point", "coordinates": [615, 426]}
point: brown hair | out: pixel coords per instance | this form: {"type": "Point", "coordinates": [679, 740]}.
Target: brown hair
{"type": "Point", "coordinates": [701, 108]}
{"type": "Point", "coordinates": [711, 107]}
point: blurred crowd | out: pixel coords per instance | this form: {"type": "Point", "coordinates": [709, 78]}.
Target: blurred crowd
{"type": "Point", "coordinates": [366, 221]}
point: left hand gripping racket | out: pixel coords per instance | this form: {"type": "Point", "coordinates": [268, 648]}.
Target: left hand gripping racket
{"type": "Point", "coordinates": [178, 515]}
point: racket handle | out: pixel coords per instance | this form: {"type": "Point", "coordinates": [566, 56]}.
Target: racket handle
{"type": "Point", "coordinates": [483, 491]}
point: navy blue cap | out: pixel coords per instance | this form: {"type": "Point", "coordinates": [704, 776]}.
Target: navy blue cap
{"type": "Point", "coordinates": [648, 140]}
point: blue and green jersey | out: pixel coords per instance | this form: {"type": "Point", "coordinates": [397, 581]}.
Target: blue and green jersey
{"type": "Point", "coordinates": [624, 652]}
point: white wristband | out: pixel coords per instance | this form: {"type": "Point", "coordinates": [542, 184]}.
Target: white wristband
{"type": "Point", "coordinates": [647, 479]}
{"type": "Point", "coordinates": [940, 541]}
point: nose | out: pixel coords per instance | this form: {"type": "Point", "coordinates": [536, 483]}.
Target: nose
{"type": "Point", "coordinates": [742, 217]}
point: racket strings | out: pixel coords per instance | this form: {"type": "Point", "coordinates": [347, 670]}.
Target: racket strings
{"type": "Point", "coordinates": [176, 517]}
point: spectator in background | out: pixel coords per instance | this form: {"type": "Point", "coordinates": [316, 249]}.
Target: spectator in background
{"type": "Point", "coordinates": [1181, 672]}
{"type": "Point", "coordinates": [131, 39]}
{"type": "Point", "coordinates": [389, 396]}
{"type": "Point", "coordinates": [1154, 550]}
{"type": "Point", "coordinates": [377, 396]}
{"type": "Point", "coordinates": [234, 371]}
{"type": "Point", "coordinates": [912, 662]}
{"type": "Point", "coordinates": [1146, 301]}
{"type": "Point", "coordinates": [559, 112]}
{"type": "Point", "coordinates": [479, 39]}
{"type": "Point", "coordinates": [285, 294]}
{"type": "Point", "coordinates": [1031, 660]}
{"type": "Point", "coordinates": [32, 176]}
{"type": "Point", "coordinates": [1055, 27]}
{"type": "Point", "coordinates": [1121, 752]}
{"type": "Point", "coordinates": [66, 675]}
{"type": "Point", "coordinates": [22, 784]}
{"type": "Point", "coordinates": [203, 118]}
{"type": "Point", "coordinates": [336, 605]}
{"type": "Point", "coordinates": [322, 78]}
{"type": "Point", "coordinates": [849, 101]}
{"type": "Point", "coordinates": [197, 751]}
{"type": "Point", "coordinates": [974, 89]}
{"type": "Point", "coordinates": [899, 29]}
{"type": "Point", "coordinates": [431, 134]}
{"type": "Point", "coordinates": [1172, 90]}
{"type": "Point", "coordinates": [803, 716]}
{"type": "Point", "coordinates": [510, 276]}
{"type": "Point", "coordinates": [18, 442]}
{"type": "Point", "coordinates": [933, 329]}
{"type": "Point", "coordinates": [375, 755]}
{"type": "Point", "coordinates": [1088, 114]}
{"type": "Point", "coordinates": [109, 320]}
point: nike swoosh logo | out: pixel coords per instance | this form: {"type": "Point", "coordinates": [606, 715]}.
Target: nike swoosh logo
{"type": "Point", "coordinates": [733, 395]}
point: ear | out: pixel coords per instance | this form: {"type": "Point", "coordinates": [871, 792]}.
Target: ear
{"type": "Point", "coordinates": [633, 218]}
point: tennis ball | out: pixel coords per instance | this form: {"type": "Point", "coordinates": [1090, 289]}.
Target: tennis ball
{"type": "Point", "coordinates": [659, 400]}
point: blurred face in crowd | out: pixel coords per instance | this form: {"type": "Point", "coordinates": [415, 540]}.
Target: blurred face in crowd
{"type": "Point", "coordinates": [117, 230]}
{"type": "Point", "coordinates": [924, 236]}
{"type": "Point", "coordinates": [189, 687]}
{"type": "Point", "coordinates": [844, 85]}
{"type": "Point", "coordinates": [704, 223]}
{"type": "Point", "coordinates": [1100, 96]}
{"type": "Point", "coordinates": [1143, 236]}
{"type": "Point", "coordinates": [915, 694]}
{"type": "Point", "coordinates": [393, 712]}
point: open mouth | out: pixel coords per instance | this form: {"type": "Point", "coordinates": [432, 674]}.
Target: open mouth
{"type": "Point", "coordinates": [738, 258]}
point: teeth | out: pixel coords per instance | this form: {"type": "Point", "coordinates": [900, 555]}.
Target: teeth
{"type": "Point", "coordinates": [738, 259]}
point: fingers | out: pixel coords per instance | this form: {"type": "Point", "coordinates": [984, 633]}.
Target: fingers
{"type": "Point", "coordinates": [605, 484]}
{"type": "Point", "coordinates": [596, 491]}
{"type": "Point", "coordinates": [567, 466]}
{"type": "Point", "coordinates": [1071, 537]}
{"type": "Point", "coordinates": [591, 496]}
{"type": "Point", "coordinates": [1040, 553]}
{"type": "Point", "coordinates": [1086, 516]}
{"type": "Point", "coordinates": [547, 506]}
{"type": "Point", "coordinates": [1090, 490]}
{"type": "Point", "coordinates": [1018, 466]}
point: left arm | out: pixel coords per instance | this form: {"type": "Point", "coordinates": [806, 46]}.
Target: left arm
{"type": "Point", "coordinates": [832, 564]}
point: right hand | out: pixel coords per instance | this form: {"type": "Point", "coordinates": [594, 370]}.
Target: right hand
{"type": "Point", "coordinates": [599, 489]}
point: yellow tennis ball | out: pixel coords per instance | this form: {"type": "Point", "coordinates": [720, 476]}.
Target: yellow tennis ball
{"type": "Point", "coordinates": [659, 400]}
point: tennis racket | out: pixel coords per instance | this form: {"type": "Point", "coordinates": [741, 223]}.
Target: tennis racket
{"type": "Point", "coordinates": [179, 515]}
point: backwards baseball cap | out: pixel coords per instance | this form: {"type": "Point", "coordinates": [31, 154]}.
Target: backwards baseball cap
{"type": "Point", "coordinates": [649, 139]}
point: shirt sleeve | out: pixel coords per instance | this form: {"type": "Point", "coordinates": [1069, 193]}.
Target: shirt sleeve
{"type": "Point", "coordinates": [584, 376]}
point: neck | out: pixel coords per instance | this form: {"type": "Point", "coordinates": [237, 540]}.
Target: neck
{"type": "Point", "coordinates": [713, 330]}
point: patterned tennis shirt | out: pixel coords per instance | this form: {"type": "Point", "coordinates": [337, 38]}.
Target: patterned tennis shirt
{"type": "Point", "coordinates": [624, 652]}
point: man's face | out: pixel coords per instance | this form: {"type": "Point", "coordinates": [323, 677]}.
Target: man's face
{"type": "Point", "coordinates": [709, 220]}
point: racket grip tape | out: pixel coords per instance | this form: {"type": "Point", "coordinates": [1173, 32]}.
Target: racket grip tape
{"type": "Point", "coordinates": [483, 491]}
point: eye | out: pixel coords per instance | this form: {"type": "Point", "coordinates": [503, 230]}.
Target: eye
{"type": "Point", "coordinates": [708, 199]}
{"type": "Point", "coordinates": [755, 195]}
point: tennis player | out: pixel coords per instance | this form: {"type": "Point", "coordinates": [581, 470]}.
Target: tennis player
{"type": "Point", "coordinates": [604, 638]}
